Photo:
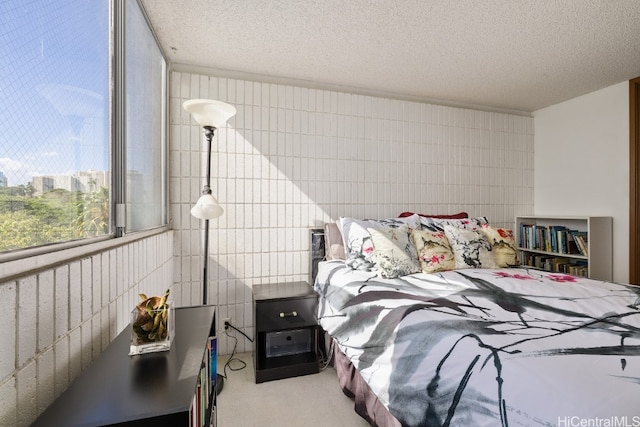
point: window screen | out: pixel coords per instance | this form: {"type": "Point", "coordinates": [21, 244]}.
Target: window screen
{"type": "Point", "coordinates": [54, 121]}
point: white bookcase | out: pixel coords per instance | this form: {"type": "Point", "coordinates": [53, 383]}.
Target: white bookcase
{"type": "Point", "coordinates": [533, 237]}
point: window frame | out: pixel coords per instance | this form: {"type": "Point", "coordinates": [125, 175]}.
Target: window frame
{"type": "Point", "coordinates": [12, 263]}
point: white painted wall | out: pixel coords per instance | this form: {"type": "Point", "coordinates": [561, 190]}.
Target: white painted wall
{"type": "Point", "coordinates": [56, 321]}
{"type": "Point", "coordinates": [294, 158]}
{"type": "Point", "coordinates": [582, 163]}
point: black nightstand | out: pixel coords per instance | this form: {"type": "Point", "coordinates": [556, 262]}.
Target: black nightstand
{"type": "Point", "coordinates": [286, 343]}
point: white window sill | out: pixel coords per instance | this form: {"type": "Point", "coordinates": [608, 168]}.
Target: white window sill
{"type": "Point", "coordinates": [28, 264]}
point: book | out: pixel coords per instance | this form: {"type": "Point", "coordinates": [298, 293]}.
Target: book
{"type": "Point", "coordinates": [212, 348]}
{"type": "Point", "coordinates": [581, 240]}
{"type": "Point", "coordinates": [572, 245]}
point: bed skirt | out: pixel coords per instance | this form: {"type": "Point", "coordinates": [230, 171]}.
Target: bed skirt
{"type": "Point", "coordinates": [366, 403]}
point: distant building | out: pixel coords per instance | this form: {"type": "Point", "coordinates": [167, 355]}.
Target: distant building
{"type": "Point", "coordinates": [93, 180]}
{"type": "Point", "coordinates": [3, 180]}
{"type": "Point", "coordinates": [42, 184]}
{"type": "Point", "coordinates": [82, 181]}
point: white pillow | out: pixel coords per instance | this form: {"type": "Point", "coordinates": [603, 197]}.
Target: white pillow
{"type": "Point", "coordinates": [395, 254]}
{"type": "Point", "coordinates": [358, 245]}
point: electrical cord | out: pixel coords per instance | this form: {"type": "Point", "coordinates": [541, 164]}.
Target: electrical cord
{"type": "Point", "coordinates": [232, 358]}
{"type": "Point", "coordinates": [227, 324]}
{"type": "Point", "coordinates": [326, 360]}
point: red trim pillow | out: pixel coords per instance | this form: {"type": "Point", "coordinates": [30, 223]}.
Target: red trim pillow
{"type": "Point", "coordinates": [461, 215]}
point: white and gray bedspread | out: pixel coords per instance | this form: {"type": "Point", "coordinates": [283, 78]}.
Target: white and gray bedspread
{"type": "Point", "coordinates": [489, 347]}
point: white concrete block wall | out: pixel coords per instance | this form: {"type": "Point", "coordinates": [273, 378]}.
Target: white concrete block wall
{"type": "Point", "coordinates": [55, 322]}
{"type": "Point", "coordinates": [294, 158]}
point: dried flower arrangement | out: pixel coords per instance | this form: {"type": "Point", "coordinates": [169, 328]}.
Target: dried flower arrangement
{"type": "Point", "coordinates": [150, 323]}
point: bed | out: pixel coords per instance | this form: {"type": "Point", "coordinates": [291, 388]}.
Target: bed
{"type": "Point", "coordinates": [479, 345]}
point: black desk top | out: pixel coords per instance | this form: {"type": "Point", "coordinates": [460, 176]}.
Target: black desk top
{"type": "Point", "coordinates": [118, 388]}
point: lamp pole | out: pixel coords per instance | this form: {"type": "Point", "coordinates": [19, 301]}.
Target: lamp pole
{"type": "Point", "coordinates": [208, 132]}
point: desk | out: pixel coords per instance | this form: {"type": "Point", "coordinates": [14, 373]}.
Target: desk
{"type": "Point", "coordinates": [154, 389]}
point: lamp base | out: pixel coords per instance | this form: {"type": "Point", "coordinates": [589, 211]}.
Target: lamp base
{"type": "Point", "coordinates": [219, 383]}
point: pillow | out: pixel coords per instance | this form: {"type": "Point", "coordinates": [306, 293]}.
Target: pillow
{"type": "Point", "coordinates": [503, 245]}
{"type": "Point", "coordinates": [395, 254]}
{"type": "Point", "coordinates": [470, 248]}
{"type": "Point", "coordinates": [460, 215]}
{"type": "Point", "coordinates": [357, 239]}
{"type": "Point", "coordinates": [434, 251]}
{"type": "Point", "coordinates": [437, 224]}
{"type": "Point", "coordinates": [334, 246]}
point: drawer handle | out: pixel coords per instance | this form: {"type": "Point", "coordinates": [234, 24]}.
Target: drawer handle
{"type": "Point", "coordinates": [292, 314]}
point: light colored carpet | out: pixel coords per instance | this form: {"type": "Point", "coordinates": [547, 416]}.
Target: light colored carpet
{"type": "Point", "coordinates": [310, 400]}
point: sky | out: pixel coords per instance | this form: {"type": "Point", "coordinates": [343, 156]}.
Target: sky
{"type": "Point", "coordinates": [54, 87]}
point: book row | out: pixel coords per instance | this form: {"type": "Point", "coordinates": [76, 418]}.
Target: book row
{"type": "Point", "coordinates": [557, 264]}
{"type": "Point", "coordinates": [553, 238]}
{"type": "Point", "coordinates": [202, 406]}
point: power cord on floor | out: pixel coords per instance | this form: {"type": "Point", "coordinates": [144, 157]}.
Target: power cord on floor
{"type": "Point", "coordinates": [325, 359]}
{"type": "Point", "coordinates": [232, 358]}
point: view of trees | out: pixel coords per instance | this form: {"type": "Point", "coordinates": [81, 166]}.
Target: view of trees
{"type": "Point", "coordinates": [27, 220]}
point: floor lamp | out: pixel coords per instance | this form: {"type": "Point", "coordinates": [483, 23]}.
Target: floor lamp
{"type": "Point", "coordinates": [210, 115]}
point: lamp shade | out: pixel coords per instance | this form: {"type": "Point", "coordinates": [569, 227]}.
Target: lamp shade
{"type": "Point", "coordinates": [208, 112]}
{"type": "Point", "coordinates": [206, 207]}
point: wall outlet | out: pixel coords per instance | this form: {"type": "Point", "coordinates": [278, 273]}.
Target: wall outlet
{"type": "Point", "coordinates": [225, 321]}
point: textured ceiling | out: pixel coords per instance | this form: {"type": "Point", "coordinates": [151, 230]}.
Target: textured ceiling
{"type": "Point", "coordinates": [512, 55]}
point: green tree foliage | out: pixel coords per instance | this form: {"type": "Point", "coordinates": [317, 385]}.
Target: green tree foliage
{"type": "Point", "coordinates": [93, 213]}
{"type": "Point", "coordinates": [56, 216]}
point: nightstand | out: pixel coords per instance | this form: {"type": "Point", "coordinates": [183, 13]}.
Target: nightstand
{"type": "Point", "coordinates": [286, 343]}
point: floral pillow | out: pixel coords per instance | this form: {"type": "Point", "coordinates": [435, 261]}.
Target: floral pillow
{"type": "Point", "coordinates": [434, 251]}
{"type": "Point", "coordinates": [395, 254]}
{"type": "Point", "coordinates": [471, 249]}
{"type": "Point", "coordinates": [357, 239]}
{"type": "Point", "coordinates": [503, 245]}
{"type": "Point", "coordinates": [437, 224]}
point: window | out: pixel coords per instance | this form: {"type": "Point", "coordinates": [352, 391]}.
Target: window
{"type": "Point", "coordinates": [57, 120]}
{"type": "Point", "coordinates": [145, 76]}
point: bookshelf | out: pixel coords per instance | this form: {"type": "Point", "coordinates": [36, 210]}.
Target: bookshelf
{"type": "Point", "coordinates": [582, 246]}
{"type": "Point", "coordinates": [168, 388]}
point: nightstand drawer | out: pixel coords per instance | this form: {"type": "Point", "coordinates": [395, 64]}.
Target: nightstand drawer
{"type": "Point", "coordinates": [285, 314]}
{"type": "Point", "coordinates": [289, 342]}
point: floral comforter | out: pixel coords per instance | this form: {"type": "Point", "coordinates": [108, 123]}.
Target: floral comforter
{"type": "Point", "coordinates": [489, 347]}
